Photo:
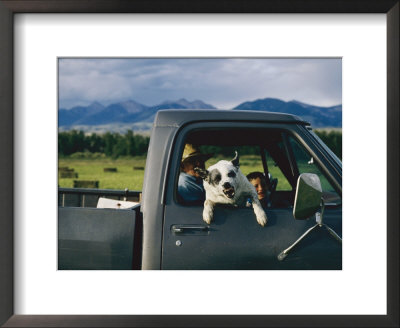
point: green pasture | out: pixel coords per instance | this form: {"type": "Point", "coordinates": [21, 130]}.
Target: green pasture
{"type": "Point", "coordinates": [128, 177]}
{"type": "Point", "coordinates": [93, 170]}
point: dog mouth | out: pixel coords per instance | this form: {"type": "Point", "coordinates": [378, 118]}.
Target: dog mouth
{"type": "Point", "coordinates": [229, 192]}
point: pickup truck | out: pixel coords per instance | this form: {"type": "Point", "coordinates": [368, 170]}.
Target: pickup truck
{"type": "Point", "coordinates": [160, 232]}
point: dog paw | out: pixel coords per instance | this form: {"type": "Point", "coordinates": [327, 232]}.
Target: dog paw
{"type": "Point", "coordinates": [207, 220]}
{"type": "Point", "coordinates": [207, 216]}
{"type": "Point", "coordinates": [262, 220]}
{"type": "Point", "coordinates": [208, 212]}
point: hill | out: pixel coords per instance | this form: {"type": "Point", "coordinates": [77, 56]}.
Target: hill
{"type": "Point", "coordinates": [317, 116]}
{"type": "Point", "coordinates": [130, 114]}
{"type": "Point", "coordinates": [123, 112]}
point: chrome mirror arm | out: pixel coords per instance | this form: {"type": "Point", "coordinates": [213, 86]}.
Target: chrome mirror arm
{"type": "Point", "coordinates": [282, 255]}
{"type": "Point", "coordinates": [319, 223]}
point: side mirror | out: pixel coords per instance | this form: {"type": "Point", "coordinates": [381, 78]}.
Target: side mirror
{"type": "Point", "coordinates": [307, 202]}
{"type": "Point", "coordinates": [308, 196]}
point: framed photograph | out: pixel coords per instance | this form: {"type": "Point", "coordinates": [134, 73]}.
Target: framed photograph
{"type": "Point", "coordinates": [35, 35]}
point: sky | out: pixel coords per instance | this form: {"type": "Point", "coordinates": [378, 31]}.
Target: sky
{"type": "Point", "coordinates": [221, 82]}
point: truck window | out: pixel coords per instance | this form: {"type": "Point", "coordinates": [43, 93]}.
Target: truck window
{"type": "Point", "coordinates": [260, 150]}
{"type": "Point", "coordinates": [276, 173]}
{"type": "Point", "coordinates": [306, 164]}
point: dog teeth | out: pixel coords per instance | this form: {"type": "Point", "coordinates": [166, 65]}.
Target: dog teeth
{"type": "Point", "coordinates": [229, 193]}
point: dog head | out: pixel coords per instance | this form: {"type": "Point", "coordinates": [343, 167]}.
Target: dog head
{"type": "Point", "coordinates": [222, 177]}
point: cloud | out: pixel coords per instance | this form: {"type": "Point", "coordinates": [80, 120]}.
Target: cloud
{"type": "Point", "coordinates": [222, 82]}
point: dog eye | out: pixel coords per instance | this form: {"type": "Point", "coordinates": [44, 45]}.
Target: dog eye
{"type": "Point", "coordinates": [231, 174]}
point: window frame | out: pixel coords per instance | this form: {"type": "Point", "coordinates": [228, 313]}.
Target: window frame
{"type": "Point", "coordinates": [298, 132]}
{"type": "Point", "coordinates": [318, 167]}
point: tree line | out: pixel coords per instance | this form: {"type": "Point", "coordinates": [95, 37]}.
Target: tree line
{"type": "Point", "coordinates": [110, 144]}
{"type": "Point", "coordinates": [333, 139]}
{"type": "Point", "coordinates": [129, 144]}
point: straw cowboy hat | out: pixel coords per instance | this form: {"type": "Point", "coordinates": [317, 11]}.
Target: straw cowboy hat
{"type": "Point", "coordinates": [192, 151]}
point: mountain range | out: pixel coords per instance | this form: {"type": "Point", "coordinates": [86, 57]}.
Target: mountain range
{"type": "Point", "coordinates": [132, 112]}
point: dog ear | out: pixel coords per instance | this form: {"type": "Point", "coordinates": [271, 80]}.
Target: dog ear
{"type": "Point", "coordinates": [235, 160]}
{"type": "Point", "coordinates": [202, 172]}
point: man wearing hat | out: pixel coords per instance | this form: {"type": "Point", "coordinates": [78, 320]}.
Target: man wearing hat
{"type": "Point", "coordinates": [190, 184]}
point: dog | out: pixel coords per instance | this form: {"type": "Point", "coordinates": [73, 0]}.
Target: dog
{"type": "Point", "coordinates": [224, 183]}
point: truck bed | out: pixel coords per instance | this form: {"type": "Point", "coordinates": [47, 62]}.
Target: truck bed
{"type": "Point", "coordinates": [88, 197]}
{"type": "Point", "coordinates": [98, 238]}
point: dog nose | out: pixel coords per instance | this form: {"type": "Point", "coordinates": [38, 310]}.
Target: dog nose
{"type": "Point", "coordinates": [226, 185]}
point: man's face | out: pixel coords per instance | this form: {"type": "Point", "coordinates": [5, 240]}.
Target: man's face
{"type": "Point", "coordinates": [190, 164]}
{"type": "Point", "coordinates": [261, 187]}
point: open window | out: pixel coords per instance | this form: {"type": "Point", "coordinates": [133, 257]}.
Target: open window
{"type": "Point", "coordinates": [276, 153]}
{"type": "Point", "coordinates": [260, 150]}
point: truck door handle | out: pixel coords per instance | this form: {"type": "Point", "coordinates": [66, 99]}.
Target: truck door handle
{"type": "Point", "coordinates": [186, 228]}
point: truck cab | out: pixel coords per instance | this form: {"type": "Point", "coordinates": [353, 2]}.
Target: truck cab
{"type": "Point", "coordinates": [175, 237]}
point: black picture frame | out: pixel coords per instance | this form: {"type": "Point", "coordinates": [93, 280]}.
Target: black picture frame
{"type": "Point", "coordinates": [10, 7]}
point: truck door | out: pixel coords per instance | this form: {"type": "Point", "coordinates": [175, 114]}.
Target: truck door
{"type": "Point", "coordinates": [234, 240]}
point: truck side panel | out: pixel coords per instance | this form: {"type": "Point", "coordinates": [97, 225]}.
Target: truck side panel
{"type": "Point", "coordinates": [109, 246]}
{"type": "Point", "coordinates": [152, 207]}
{"type": "Point", "coordinates": [234, 241]}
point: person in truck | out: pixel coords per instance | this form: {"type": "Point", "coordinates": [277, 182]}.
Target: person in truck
{"type": "Point", "coordinates": [190, 184]}
{"type": "Point", "coordinates": [262, 186]}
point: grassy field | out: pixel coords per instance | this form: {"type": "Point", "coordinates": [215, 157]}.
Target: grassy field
{"type": "Point", "coordinates": [128, 177]}
{"type": "Point", "coordinates": [93, 169]}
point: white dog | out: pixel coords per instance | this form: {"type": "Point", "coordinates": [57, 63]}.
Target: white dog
{"type": "Point", "coordinates": [224, 183]}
